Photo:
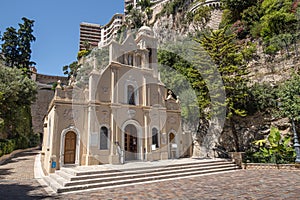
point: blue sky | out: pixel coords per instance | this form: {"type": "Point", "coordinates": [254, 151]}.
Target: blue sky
{"type": "Point", "coordinates": [56, 26]}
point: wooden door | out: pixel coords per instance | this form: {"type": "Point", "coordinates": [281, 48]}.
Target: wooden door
{"type": "Point", "coordinates": [70, 148]}
{"type": "Point", "coordinates": [130, 143]}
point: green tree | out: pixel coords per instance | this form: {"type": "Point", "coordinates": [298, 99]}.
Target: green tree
{"type": "Point", "coordinates": [262, 98]}
{"type": "Point", "coordinates": [289, 94]}
{"type": "Point", "coordinates": [71, 70]}
{"type": "Point", "coordinates": [185, 81]}
{"type": "Point", "coordinates": [25, 39]}
{"type": "Point", "coordinates": [236, 7]}
{"type": "Point", "coordinates": [18, 92]}
{"type": "Point", "coordinates": [16, 46]}
{"type": "Point", "coordinates": [10, 47]}
{"type": "Point", "coordinates": [231, 66]}
{"type": "Point", "coordinates": [135, 19]}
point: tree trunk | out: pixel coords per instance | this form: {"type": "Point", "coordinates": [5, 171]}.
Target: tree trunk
{"type": "Point", "coordinates": [235, 136]}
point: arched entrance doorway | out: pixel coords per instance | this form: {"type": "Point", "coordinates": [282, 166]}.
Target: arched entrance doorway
{"type": "Point", "coordinates": [172, 146]}
{"type": "Point", "coordinates": [70, 148]}
{"type": "Point", "coordinates": [131, 143]}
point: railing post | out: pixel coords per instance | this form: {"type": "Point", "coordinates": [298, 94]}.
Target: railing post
{"type": "Point", "coordinates": [296, 143]}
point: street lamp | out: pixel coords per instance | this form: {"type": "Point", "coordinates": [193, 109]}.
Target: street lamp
{"type": "Point", "coordinates": [296, 143]}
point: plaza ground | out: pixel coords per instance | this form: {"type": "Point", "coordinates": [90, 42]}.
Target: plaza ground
{"type": "Point", "coordinates": [17, 182]}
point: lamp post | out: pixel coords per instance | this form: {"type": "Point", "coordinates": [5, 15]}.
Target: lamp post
{"type": "Point", "coordinates": [296, 143]}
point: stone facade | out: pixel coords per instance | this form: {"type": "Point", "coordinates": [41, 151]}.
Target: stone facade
{"type": "Point", "coordinates": [123, 113]}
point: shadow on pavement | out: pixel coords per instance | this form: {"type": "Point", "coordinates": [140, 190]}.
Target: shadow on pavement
{"type": "Point", "coordinates": [9, 190]}
{"type": "Point", "coordinates": [4, 172]}
{"type": "Point", "coordinates": [19, 157]}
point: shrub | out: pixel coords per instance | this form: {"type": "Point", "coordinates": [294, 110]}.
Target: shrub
{"type": "Point", "coordinates": [22, 142]}
{"type": "Point", "coordinates": [274, 149]}
{"type": "Point", "coordinates": [6, 146]}
{"type": "Point", "coordinates": [82, 53]}
{"type": "Point", "coordinates": [34, 140]}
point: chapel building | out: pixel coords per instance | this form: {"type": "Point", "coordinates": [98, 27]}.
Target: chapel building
{"type": "Point", "coordinates": [124, 113]}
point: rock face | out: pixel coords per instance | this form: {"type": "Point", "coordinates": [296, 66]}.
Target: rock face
{"type": "Point", "coordinates": [168, 28]}
{"type": "Point", "coordinates": [275, 70]}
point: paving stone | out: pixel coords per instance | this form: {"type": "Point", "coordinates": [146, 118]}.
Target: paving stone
{"type": "Point", "coordinates": [17, 182]}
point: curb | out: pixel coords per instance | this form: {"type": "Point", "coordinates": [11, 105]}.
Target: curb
{"type": "Point", "coordinates": [6, 157]}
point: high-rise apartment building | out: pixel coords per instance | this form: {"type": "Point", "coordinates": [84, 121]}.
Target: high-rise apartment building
{"type": "Point", "coordinates": [90, 35]}
{"type": "Point", "coordinates": [111, 29]}
{"type": "Point", "coordinates": [93, 35]}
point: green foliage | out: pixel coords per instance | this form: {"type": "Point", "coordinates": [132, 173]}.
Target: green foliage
{"type": "Point", "coordinates": [144, 4]}
{"type": "Point", "coordinates": [135, 19]}
{"type": "Point", "coordinates": [7, 146]}
{"type": "Point", "coordinates": [275, 148]}
{"type": "Point", "coordinates": [179, 75]}
{"type": "Point", "coordinates": [277, 23]}
{"type": "Point", "coordinates": [34, 140]}
{"type": "Point", "coordinates": [9, 47]}
{"type": "Point", "coordinates": [231, 66]}
{"type": "Point", "coordinates": [22, 142]}
{"type": "Point", "coordinates": [83, 53]}
{"type": "Point", "coordinates": [71, 70]}
{"type": "Point", "coordinates": [16, 46]}
{"type": "Point", "coordinates": [261, 97]}
{"type": "Point", "coordinates": [249, 51]}
{"type": "Point", "coordinates": [214, 54]}
{"type": "Point", "coordinates": [289, 94]}
{"type": "Point", "coordinates": [100, 57]}
{"type": "Point", "coordinates": [18, 92]}
{"type": "Point", "coordinates": [236, 7]}
{"type": "Point", "coordinates": [172, 7]}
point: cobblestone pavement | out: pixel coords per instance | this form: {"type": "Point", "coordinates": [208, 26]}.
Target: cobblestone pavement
{"type": "Point", "coordinates": [17, 182]}
{"type": "Point", "coordinates": [17, 178]}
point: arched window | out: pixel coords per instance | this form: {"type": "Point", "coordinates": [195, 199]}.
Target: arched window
{"type": "Point", "coordinates": [104, 138]}
{"type": "Point", "coordinates": [155, 137]}
{"type": "Point", "coordinates": [130, 95]}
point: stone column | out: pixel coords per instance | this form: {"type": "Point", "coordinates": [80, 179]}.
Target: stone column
{"type": "Point", "coordinates": [144, 91]}
{"type": "Point", "coordinates": [93, 82]}
{"type": "Point", "coordinates": [112, 85]}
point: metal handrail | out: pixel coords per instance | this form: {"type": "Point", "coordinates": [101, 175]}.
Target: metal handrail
{"type": "Point", "coordinates": [222, 151]}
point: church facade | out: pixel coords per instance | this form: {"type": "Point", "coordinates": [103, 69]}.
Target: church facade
{"type": "Point", "coordinates": [124, 112]}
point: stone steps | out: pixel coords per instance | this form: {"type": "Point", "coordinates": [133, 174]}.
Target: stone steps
{"type": "Point", "coordinates": [69, 180]}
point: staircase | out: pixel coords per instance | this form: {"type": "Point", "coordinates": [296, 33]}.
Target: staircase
{"type": "Point", "coordinates": [83, 178]}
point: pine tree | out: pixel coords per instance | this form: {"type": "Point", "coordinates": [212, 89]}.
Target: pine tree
{"type": "Point", "coordinates": [229, 61]}
{"type": "Point", "coordinates": [16, 46]}
{"type": "Point", "coordinates": [10, 47]}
